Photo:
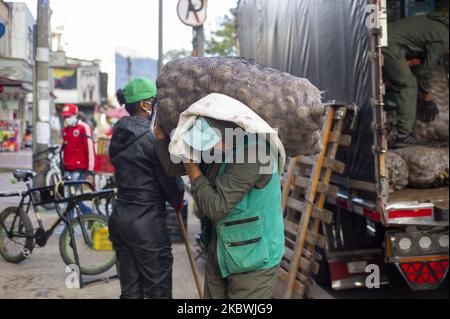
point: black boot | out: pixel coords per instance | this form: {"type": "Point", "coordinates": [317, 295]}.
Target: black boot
{"type": "Point", "coordinates": [406, 141]}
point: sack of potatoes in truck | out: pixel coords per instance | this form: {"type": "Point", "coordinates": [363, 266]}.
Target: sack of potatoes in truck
{"type": "Point", "coordinates": [398, 172]}
{"type": "Point", "coordinates": [287, 103]}
{"type": "Point", "coordinates": [428, 166]}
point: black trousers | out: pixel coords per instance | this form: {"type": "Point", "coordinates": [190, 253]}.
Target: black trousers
{"type": "Point", "coordinates": [143, 249]}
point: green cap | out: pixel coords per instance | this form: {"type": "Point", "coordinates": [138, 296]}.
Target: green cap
{"type": "Point", "coordinates": [139, 89]}
{"type": "Point", "coordinates": [202, 136]}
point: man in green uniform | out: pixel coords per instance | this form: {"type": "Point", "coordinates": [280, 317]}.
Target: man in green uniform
{"type": "Point", "coordinates": [415, 46]}
{"type": "Point", "coordinates": [243, 226]}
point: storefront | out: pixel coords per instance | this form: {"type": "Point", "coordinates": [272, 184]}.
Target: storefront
{"type": "Point", "coordinates": [15, 86]}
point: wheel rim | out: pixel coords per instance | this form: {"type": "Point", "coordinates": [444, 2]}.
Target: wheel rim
{"type": "Point", "coordinates": [91, 260]}
{"type": "Point", "coordinates": [13, 248]}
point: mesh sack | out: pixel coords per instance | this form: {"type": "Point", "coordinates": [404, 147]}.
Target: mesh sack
{"type": "Point", "coordinates": [398, 172]}
{"type": "Point", "coordinates": [287, 103]}
{"type": "Point", "coordinates": [428, 166]}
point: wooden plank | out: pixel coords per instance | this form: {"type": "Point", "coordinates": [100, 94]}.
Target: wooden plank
{"type": "Point", "coordinates": [304, 265]}
{"type": "Point", "coordinates": [335, 165]}
{"type": "Point", "coordinates": [296, 204]}
{"type": "Point", "coordinates": [315, 239]}
{"type": "Point", "coordinates": [285, 265]}
{"type": "Point", "coordinates": [322, 188]}
{"type": "Point", "coordinates": [324, 215]}
{"type": "Point", "coordinates": [298, 289]}
{"type": "Point", "coordinates": [329, 190]}
{"type": "Point", "coordinates": [308, 254]}
{"type": "Point", "coordinates": [291, 227]}
{"type": "Point", "coordinates": [353, 184]}
{"type": "Point", "coordinates": [314, 267]}
{"type": "Point", "coordinates": [341, 139]}
{"type": "Point", "coordinates": [281, 287]}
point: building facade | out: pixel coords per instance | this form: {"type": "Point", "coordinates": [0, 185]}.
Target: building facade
{"type": "Point", "coordinates": [16, 66]}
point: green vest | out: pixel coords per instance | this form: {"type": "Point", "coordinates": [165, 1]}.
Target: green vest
{"type": "Point", "coordinates": [251, 237]}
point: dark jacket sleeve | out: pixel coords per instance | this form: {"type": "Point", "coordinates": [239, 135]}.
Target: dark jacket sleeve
{"type": "Point", "coordinates": [425, 71]}
{"type": "Point", "coordinates": [172, 187]}
{"type": "Point", "coordinates": [171, 169]}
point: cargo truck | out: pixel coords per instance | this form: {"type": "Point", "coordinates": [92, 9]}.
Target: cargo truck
{"type": "Point", "coordinates": [337, 46]}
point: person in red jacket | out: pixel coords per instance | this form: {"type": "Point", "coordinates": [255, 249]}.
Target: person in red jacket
{"type": "Point", "coordinates": [79, 149]}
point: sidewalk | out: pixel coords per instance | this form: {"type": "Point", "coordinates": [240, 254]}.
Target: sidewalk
{"type": "Point", "coordinates": [12, 161]}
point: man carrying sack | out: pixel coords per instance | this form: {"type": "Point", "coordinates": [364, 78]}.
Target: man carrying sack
{"type": "Point", "coordinates": [241, 204]}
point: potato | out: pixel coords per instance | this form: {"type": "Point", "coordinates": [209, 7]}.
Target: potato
{"type": "Point", "coordinates": [398, 172]}
{"type": "Point", "coordinates": [428, 166]}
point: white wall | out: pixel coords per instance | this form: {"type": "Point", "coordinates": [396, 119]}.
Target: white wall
{"type": "Point", "coordinates": [21, 32]}
{"type": "Point", "coordinates": [4, 18]}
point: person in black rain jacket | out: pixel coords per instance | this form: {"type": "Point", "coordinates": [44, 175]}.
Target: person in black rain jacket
{"type": "Point", "coordinates": [137, 226]}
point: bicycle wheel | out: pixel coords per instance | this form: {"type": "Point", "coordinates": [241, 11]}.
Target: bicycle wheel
{"type": "Point", "coordinates": [14, 249]}
{"type": "Point", "coordinates": [52, 177]}
{"type": "Point", "coordinates": [93, 260]}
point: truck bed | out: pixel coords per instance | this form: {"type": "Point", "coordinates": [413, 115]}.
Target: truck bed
{"type": "Point", "coordinates": [420, 195]}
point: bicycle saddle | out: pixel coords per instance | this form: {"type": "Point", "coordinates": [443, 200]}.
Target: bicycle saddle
{"type": "Point", "coordinates": [23, 175]}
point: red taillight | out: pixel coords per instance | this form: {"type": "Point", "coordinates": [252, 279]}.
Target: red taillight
{"type": "Point", "coordinates": [424, 275]}
{"type": "Point", "coordinates": [439, 268]}
{"type": "Point", "coordinates": [410, 213]}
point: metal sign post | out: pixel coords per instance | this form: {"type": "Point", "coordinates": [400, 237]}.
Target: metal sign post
{"type": "Point", "coordinates": [193, 13]}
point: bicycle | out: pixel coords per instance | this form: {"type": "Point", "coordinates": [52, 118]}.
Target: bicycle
{"type": "Point", "coordinates": [105, 206]}
{"type": "Point", "coordinates": [54, 172]}
{"type": "Point", "coordinates": [84, 241]}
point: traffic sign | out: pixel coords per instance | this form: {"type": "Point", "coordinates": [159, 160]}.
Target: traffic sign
{"type": "Point", "coordinates": [2, 30]}
{"type": "Point", "coordinates": [192, 12]}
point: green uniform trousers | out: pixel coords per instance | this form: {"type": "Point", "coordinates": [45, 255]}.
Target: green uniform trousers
{"type": "Point", "coordinates": [251, 285]}
{"type": "Point", "coordinates": [401, 92]}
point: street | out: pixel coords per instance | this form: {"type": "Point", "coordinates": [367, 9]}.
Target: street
{"type": "Point", "coordinates": [43, 275]}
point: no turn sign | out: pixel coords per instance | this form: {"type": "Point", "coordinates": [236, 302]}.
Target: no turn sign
{"type": "Point", "coordinates": [192, 12]}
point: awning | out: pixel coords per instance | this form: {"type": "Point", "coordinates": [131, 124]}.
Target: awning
{"type": "Point", "coordinates": [22, 86]}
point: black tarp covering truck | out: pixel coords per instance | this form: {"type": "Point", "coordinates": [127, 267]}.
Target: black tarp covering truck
{"type": "Point", "coordinates": [337, 44]}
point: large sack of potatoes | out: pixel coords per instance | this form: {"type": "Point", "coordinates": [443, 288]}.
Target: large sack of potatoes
{"type": "Point", "coordinates": [398, 172]}
{"type": "Point", "coordinates": [428, 166]}
{"type": "Point", "coordinates": [287, 103]}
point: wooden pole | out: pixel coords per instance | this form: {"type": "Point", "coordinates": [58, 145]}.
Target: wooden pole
{"type": "Point", "coordinates": [189, 252]}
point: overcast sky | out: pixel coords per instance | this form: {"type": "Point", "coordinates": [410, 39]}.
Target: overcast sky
{"type": "Point", "coordinates": [93, 29]}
